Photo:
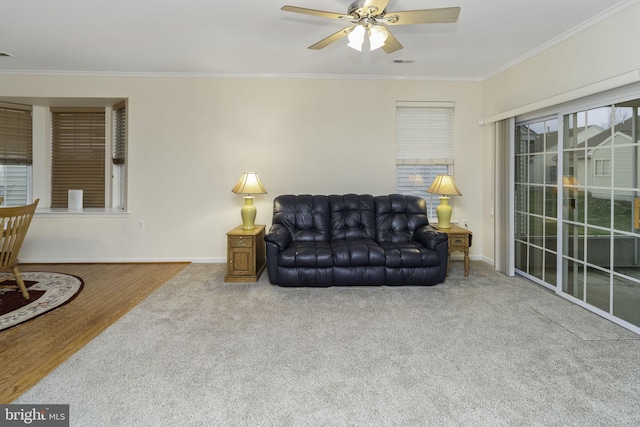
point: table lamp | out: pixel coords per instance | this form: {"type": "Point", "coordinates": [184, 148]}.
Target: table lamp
{"type": "Point", "coordinates": [249, 184]}
{"type": "Point", "coordinates": [444, 185]}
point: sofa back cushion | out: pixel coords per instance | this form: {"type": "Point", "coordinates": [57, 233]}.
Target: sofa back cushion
{"type": "Point", "coordinates": [352, 216]}
{"type": "Point", "coordinates": [306, 217]}
{"type": "Point", "coordinates": [398, 217]}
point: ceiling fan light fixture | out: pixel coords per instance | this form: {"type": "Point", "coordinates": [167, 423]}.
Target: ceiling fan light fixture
{"type": "Point", "coordinates": [377, 37]}
{"type": "Point", "coordinates": [356, 38]}
{"type": "Point", "coordinates": [370, 18]}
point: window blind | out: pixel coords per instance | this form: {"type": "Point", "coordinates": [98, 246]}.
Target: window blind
{"type": "Point", "coordinates": [15, 135]}
{"type": "Point", "coordinates": [14, 184]}
{"type": "Point", "coordinates": [119, 133]}
{"type": "Point", "coordinates": [15, 153]}
{"type": "Point", "coordinates": [424, 134]}
{"type": "Point", "coordinates": [78, 155]}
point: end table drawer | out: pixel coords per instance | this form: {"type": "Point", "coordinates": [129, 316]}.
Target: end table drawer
{"type": "Point", "coordinates": [240, 242]}
{"type": "Point", "coordinates": [458, 240]}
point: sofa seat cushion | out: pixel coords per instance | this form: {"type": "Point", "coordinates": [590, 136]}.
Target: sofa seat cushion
{"type": "Point", "coordinates": [409, 254]}
{"type": "Point", "coordinates": [307, 254]}
{"type": "Point", "coordinates": [357, 252]}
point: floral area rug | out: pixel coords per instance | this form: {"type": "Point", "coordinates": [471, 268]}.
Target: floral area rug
{"type": "Point", "coordinates": [47, 291]}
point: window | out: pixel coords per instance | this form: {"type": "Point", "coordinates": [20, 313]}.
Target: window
{"type": "Point", "coordinates": [603, 167]}
{"type": "Point", "coordinates": [119, 154]}
{"type": "Point", "coordinates": [78, 155]}
{"type": "Point", "coordinates": [15, 154]}
{"type": "Point", "coordinates": [85, 150]}
{"type": "Point", "coordinates": [424, 147]}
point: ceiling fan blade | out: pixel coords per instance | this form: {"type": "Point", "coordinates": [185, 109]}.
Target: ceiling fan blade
{"type": "Point", "coordinates": [379, 5]}
{"type": "Point", "coordinates": [391, 44]}
{"type": "Point", "coordinates": [331, 39]}
{"type": "Point", "coordinates": [314, 12]}
{"type": "Point", "coordinates": [423, 16]}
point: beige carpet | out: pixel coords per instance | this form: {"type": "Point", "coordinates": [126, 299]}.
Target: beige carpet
{"type": "Point", "coordinates": [486, 350]}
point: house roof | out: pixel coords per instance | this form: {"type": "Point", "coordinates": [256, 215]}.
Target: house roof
{"type": "Point", "coordinates": [625, 128]}
{"type": "Point", "coordinates": [546, 141]}
{"type": "Point", "coordinates": [592, 135]}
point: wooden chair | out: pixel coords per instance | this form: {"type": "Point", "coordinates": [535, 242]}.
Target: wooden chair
{"type": "Point", "coordinates": [14, 223]}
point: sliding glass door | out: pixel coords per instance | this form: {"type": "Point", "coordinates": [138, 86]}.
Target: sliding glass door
{"type": "Point", "coordinates": [600, 254]}
{"type": "Point", "coordinates": [536, 189]}
{"type": "Point", "coordinates": [577, 207]}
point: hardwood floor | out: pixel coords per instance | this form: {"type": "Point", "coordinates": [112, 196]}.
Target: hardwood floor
{"type": "Point", "coordinates": [30, 351]}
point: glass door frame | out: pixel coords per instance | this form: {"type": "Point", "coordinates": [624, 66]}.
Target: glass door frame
{"type": "Point", "coordinates": [616, 96]}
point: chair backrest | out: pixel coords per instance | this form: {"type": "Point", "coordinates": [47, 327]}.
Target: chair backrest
{"type": "Point", "coordinates": [14, 223]}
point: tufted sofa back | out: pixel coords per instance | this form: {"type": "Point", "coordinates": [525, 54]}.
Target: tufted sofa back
{"type": "Point", "coordinates": [320, 218]}
{"type": "Point", "coordinates": [352, 216]}
{"type": "Point", "coordinates": [398, 216]}
{"type": "Point", "coordinates": [306, 217]}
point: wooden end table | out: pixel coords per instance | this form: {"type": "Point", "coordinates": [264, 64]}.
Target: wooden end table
{"type": "Point", "coordinates": [459, 240]}
{"type": "Point", "coordinates": [246, 254]}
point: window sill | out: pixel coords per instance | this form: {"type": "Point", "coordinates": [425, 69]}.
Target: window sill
{"type": "Point", "coordinates": [88, 212]}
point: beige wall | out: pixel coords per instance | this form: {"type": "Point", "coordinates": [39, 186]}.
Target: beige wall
{"type": "Point", "coordinates": [191, 138]}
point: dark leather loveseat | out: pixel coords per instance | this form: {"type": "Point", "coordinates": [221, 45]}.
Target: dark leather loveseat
{"type": "Point", "coordinates": [354, 239]}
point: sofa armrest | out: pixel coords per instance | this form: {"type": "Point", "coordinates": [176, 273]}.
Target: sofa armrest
{"type": "Point", "coordinates": [279, 236]}
{"type": "Point", "coordinates": [430, 237]}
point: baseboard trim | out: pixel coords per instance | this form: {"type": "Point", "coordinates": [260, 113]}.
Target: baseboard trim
{"type": "Point", "coordinates": [458, 256]}
{"type": "Point", "coordinates": [202, 260]}
{"type": "Point", "coordinates": [121, 260]}
{"type": "Point", "coordinates": [489, 261]}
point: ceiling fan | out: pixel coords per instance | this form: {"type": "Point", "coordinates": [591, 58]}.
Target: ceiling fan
{"type": "Point", "coordinates": [371, 17]}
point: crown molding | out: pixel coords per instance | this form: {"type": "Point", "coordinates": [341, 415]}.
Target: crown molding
{"type": "Point", "coordinates": [111, 74]}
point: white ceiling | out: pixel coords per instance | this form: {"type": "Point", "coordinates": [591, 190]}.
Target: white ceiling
{"type": "Point", "coordinates": [254, 37]}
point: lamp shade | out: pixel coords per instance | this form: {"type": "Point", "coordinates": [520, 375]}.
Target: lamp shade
{"type": "Point", "coordinates": [249, 184]}
{"type": "Point", "coordinates": [356, 38]}
{"type": "Point", "coordinates": [443, 184]}
{"type": "Point", "coordinates": [377, 37]}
